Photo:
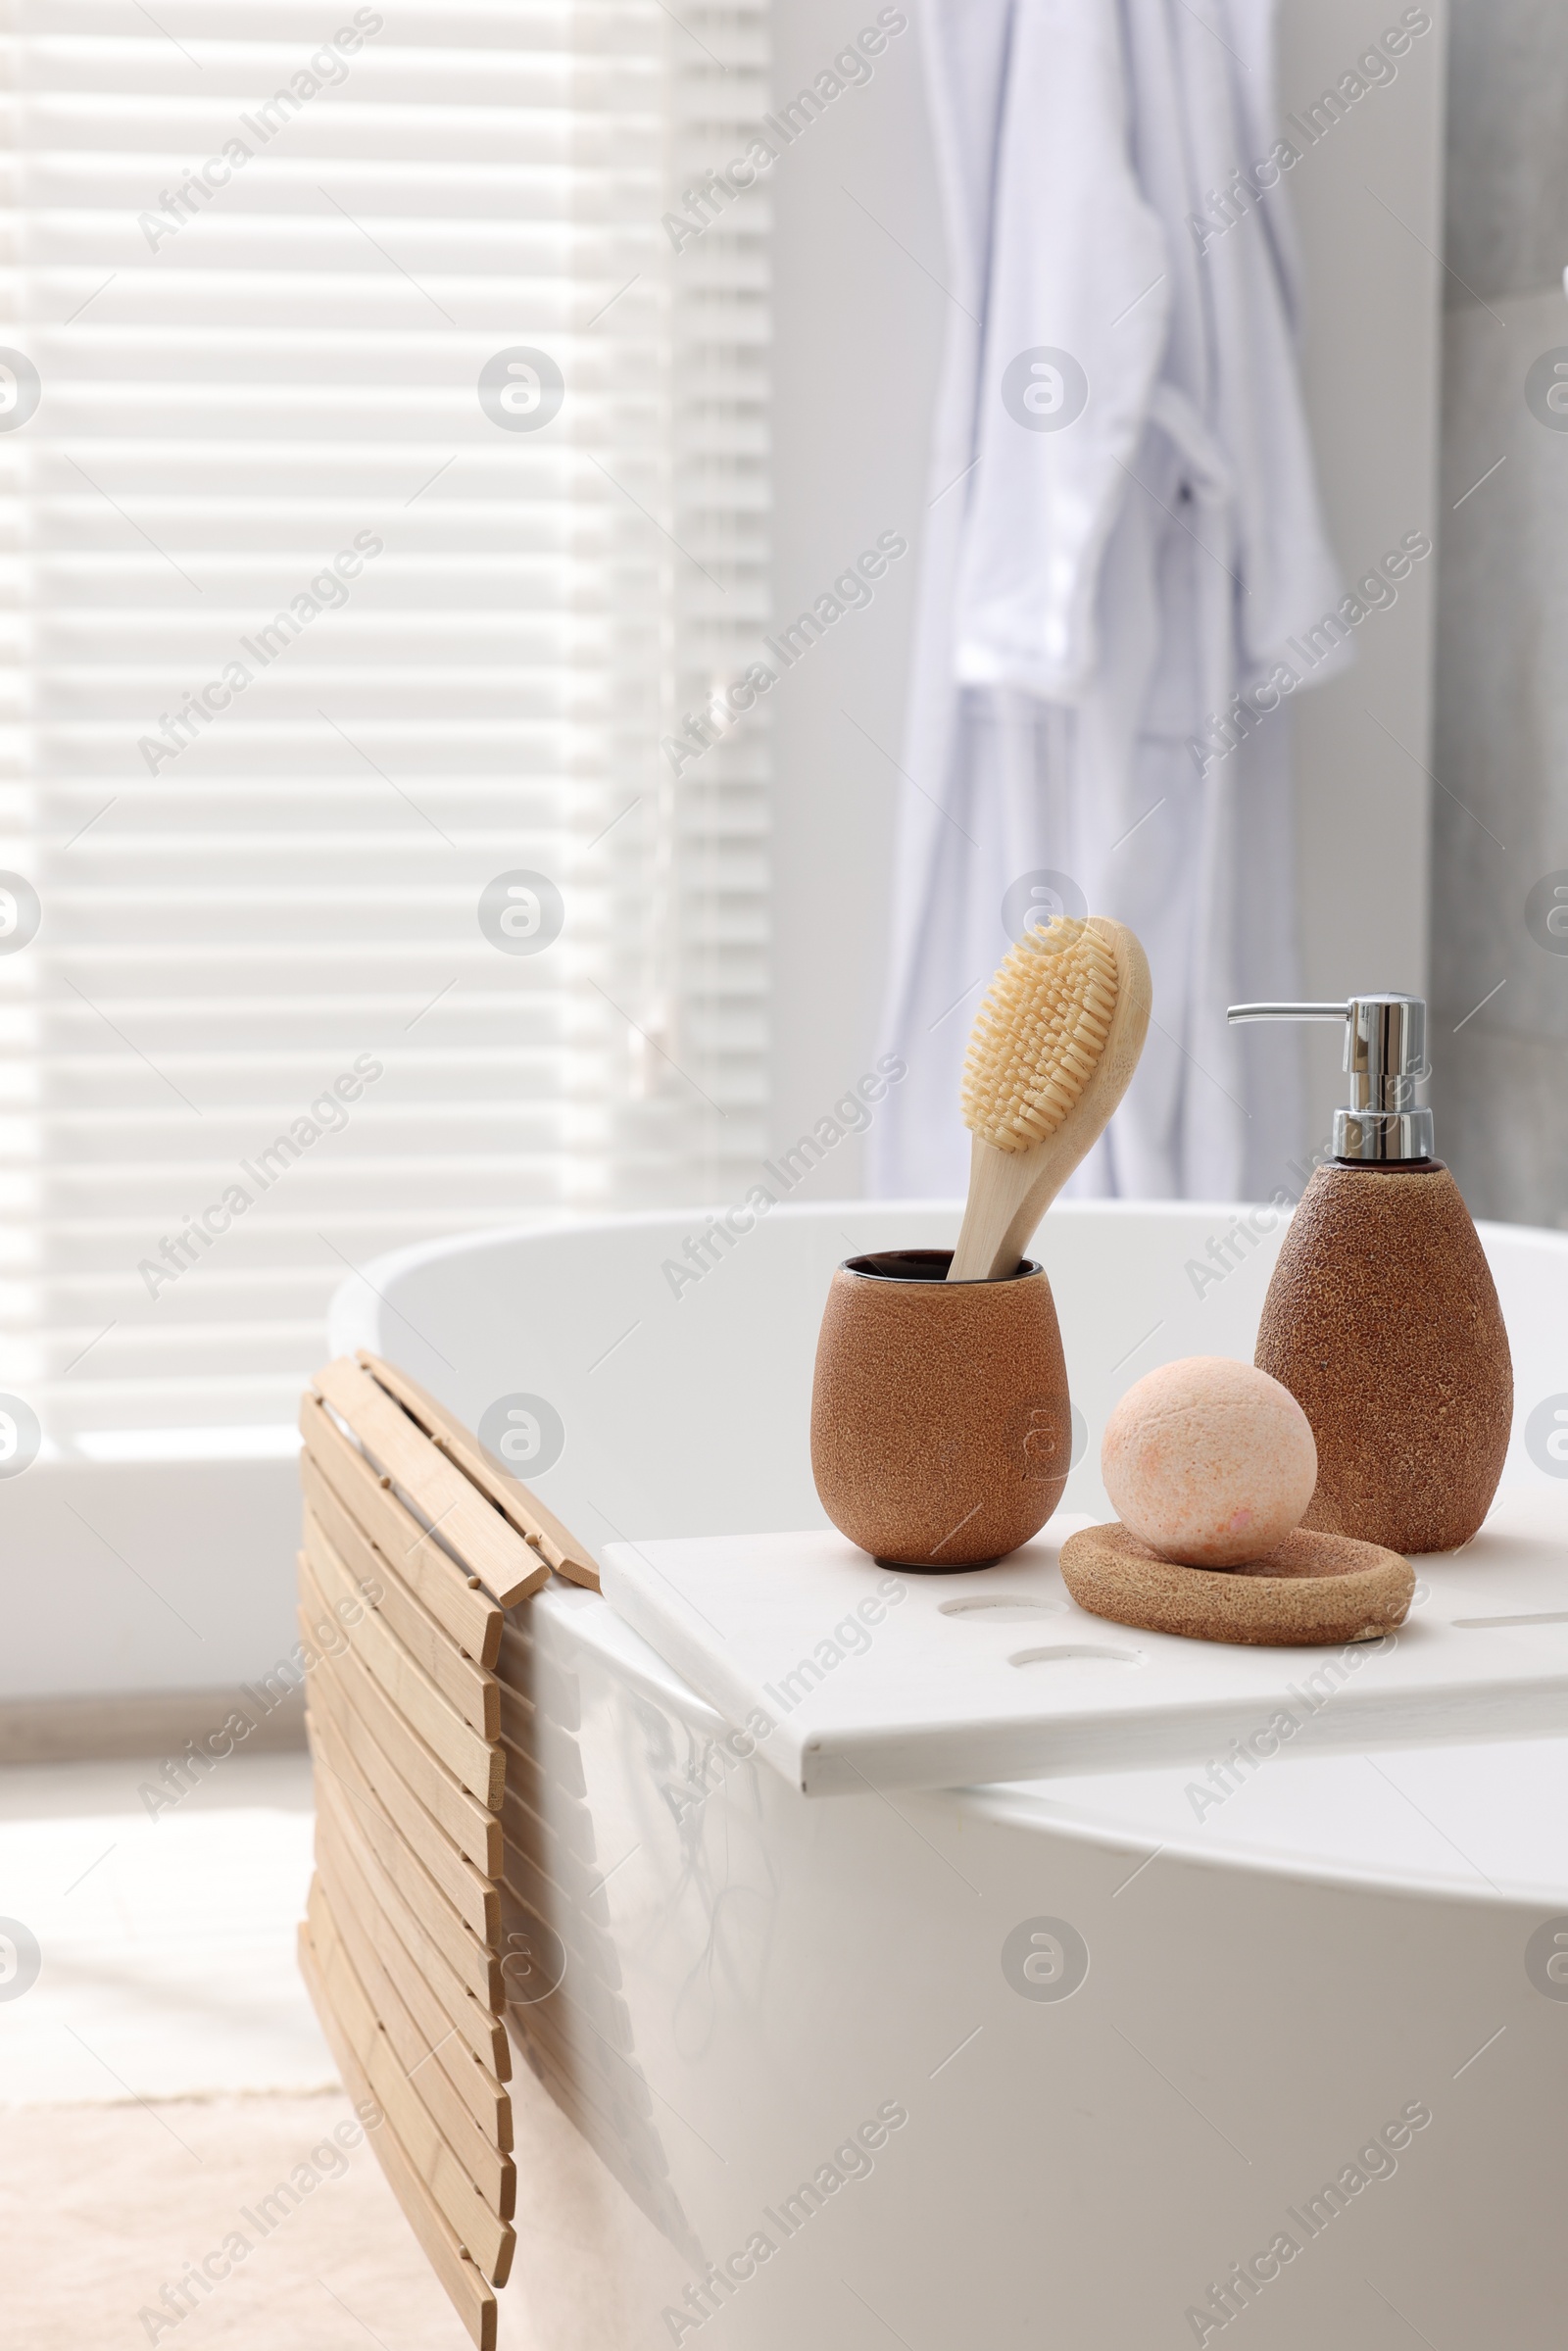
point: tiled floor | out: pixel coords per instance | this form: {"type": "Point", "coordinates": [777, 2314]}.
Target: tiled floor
{"type": "Point", "coordinates": [163, 2071]}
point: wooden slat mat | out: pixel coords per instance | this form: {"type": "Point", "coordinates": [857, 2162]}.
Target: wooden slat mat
{"type": "Point", "coordinates": [415, 1545]}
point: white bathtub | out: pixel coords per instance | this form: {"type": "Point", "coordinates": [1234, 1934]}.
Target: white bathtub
{"type": "Point", "coordinates": [727, 1989]}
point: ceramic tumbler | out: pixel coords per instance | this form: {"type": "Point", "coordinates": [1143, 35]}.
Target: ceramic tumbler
{"type": "Point", "coordinates": [940, 1425]}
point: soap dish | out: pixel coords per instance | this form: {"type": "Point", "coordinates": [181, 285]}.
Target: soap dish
{"type": "Point", "coordinates": [1311, 1588]}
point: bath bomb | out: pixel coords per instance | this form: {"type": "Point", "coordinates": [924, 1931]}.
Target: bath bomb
{"type": "Point", "coordinates": [1210, 1461]}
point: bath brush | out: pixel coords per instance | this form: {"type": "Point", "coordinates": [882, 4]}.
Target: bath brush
{"type": "Point", "coordinates": [1052, 1053]}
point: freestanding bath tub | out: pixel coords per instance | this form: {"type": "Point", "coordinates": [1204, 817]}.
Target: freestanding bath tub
{"type": "Point", "coordinates": [1052, 2063]}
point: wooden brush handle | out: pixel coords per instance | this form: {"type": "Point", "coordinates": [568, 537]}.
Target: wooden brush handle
{"type": "Point", "coordinates": [1010, 1191]}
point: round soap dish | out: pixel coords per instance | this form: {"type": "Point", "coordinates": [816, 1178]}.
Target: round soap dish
{"type": "Point", "coordinates": [1310, 1588]}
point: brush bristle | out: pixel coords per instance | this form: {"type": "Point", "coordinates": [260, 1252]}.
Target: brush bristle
{"type": "Point", "coordinates": [1039, 1034]}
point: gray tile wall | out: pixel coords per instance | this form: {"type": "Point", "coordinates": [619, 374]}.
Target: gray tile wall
{"type": "Point", "coordinates": [1499, 965]}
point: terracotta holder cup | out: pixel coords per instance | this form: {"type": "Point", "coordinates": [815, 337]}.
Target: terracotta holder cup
{"type": "Point", "coordinates": [940, 1425]}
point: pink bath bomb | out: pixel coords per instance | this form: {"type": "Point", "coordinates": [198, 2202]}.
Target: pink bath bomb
{"type": "Point", "coordinates": [1208, 1461]}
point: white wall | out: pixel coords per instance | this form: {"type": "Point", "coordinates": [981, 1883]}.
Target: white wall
{"type": "Point", "coordinates": [146, 1576]}
{"type": "Point", "coordinates": [859, 316]}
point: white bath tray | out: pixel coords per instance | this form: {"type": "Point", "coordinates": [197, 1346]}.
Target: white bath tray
{"type": "Point", "coordinates": [1000, 1675]}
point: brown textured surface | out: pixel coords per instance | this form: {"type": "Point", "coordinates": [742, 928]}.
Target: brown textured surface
{"type": "Point", "coordinates": [1310, 1588]}
{"type": "Point", "coordinates": [1383, 1321]}
{"type": "Point", "coordinates": [941, 1427]}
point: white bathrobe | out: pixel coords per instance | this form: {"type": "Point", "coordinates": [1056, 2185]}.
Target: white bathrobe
{"type": "Point", "coordinates": [1094, 595]}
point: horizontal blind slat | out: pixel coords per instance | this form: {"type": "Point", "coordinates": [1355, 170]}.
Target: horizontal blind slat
{"type": "Point", "coordinates": [239, 384]}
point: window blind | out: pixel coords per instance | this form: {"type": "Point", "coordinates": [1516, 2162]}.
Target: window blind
{"type": "Point", "coordinates": [381, 487]}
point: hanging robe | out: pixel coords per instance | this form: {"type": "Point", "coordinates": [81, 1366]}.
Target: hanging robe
{"type": "Point", "coordinates": [1125, 559]}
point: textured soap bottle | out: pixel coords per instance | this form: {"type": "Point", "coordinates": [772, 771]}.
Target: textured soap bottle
{"type": "Point", "coordinates": [1382, 1317]}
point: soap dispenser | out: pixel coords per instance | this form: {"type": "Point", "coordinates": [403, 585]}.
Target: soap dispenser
{"type": "Point", "coordinates": [1382, 1317]}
